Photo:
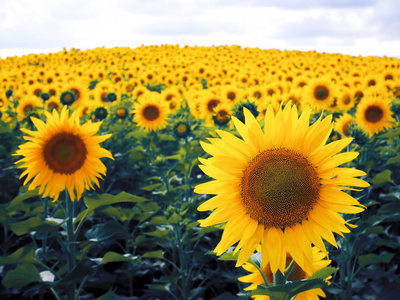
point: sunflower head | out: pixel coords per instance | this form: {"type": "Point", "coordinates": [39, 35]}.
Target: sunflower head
{"type": "Point", "coordinates": [122, 113]}
{"type": "Point", "coordinates": [111, 97]}
{"type": "Point", "coordinates": [9, 93]}
{"type": "Point", "coordinates": [281, 186]}
{"type": "Point", "coordinates": [100, 113]}
{"type": "Point", "coordinates": [62, 155]}
{"type": "Point", "coordinates": [182, 129]}
{"type": "Point", "coordinates": [67, 98]}
{"type": "Point", "coordinates": [45, 96]}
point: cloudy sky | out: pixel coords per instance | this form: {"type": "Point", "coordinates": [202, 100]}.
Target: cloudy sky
{"type": "Point", "coordinates": [356, 27]}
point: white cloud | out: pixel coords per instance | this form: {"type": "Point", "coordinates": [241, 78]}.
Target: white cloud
{"type": "Point", "coordinates": [332, 26]}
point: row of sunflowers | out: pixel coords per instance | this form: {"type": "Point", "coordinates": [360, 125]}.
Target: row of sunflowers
{"type": "Point", "coordinates": [286, 148]}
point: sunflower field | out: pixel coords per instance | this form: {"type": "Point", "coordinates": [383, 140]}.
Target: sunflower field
{"type": "Point", "coordinates": [194, 173]}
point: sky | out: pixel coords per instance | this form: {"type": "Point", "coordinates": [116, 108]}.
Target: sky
{"type": "Point", "coordinates": [355, 27]}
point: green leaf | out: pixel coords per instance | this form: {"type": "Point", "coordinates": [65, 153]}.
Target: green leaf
{"type": "Point", "coordinates": [154, 254]}
{"type": "Point", "coordinates": [22, 255]}
{"type": "Point", "coordinates": [21, 276]}
{"type": "Point", "coordinates": [115, 257]}
{"type": "Point", "coordinates": [158, 220]}
{"type": "Point", "coordinates": [107, 231]}
{"type": "Point", "coordinates": [390, 207]}
{"type": "Point", "coordinates": [19, 204]}
{"type": "Point", "coordinates": [323, 273]}
{"type": "Point", "coordinates": [372, 258]}
{"type": "Point", "coordinates": [174, 219]}
{"type": "Point", "coordinates": [393, 160]}
{"type": "Point", "coordinates": [151, 187]}
{"type": "Point", "coordinates": [34, 224]}
{"type": "Point", "coordinates": [97, 201]}
{"type": "Point", "coordinates": [382, 177]}
{"type": "Point", "coordinates": [159, 232]}
{"type": "Point", "coordinates": [288, 290]}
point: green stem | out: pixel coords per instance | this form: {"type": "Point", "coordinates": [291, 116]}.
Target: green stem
{"type": "Point", "coordinates": [45, 212]}
{"type": "Point", "coordinates": [267, 283]}
{"type": "Point", "coordinates": [70, 242]}
{"type": "Point", "coordinates": [182, 260]}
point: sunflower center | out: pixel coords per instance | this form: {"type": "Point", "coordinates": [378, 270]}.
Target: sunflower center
{"type": "Point", "coordinates": [279, 187]}
{"type": "Point", "coordinates": [151, 113]}
{"type": "Point", "coordinates": [346, 100]}
{"type": "Point", "coordinates": [231, 96]}
{"type": "Point", "coordinates": [373, 114]}
{"type": "Point", "coordinates": [181, 128]}
{"type": "Point", "coordinates": [65, 153]}
{"type": "Point", "coordinates": [321, 92]}
{"type": "Point", "coordinates": [212, 104]}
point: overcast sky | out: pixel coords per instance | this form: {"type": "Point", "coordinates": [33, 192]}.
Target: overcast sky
{"type": "Point", "coordinates": [356, 27]}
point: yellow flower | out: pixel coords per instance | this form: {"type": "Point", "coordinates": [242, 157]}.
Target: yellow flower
{"type": "Point", "coordinates": [282, 187]}
{"type": "Point", "coordinates": [373, 115]}
{"type": "Point", "coordinates": [342, 124]}
{"type": "Point", "coordinates": [255, 278]}
{"type": "Point", "coordinates": [62, 154]}
{"type": "Point", "coordinates": [319, 93]}
{"type": "Point", "coordinates": [151, 113]}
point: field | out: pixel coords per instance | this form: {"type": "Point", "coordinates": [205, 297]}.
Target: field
{"type": "Point", "coordinates": [168, 172]}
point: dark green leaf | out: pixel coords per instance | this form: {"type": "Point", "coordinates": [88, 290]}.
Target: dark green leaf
{"type": "Point", "coordinates": [114, 257]}
{"type": "Point", "coordinates": [34, 224]}
{"type": "Point", "coordinates": [154, 254]}
{"type": "Point", "coordinates": [22, 255]}
{"type": "Point", "coordinates": [21, 276]}
{"type": "Point", "coordinates": [323, 273]}
{"type": "Point", "coordinates": [107, 231]}
{"type": "Point", "coordinates": [382, 177]}
{"type": "Point", "coordinates": [393, 160]}
{"type": "Point", "coordinates": [372, 258]}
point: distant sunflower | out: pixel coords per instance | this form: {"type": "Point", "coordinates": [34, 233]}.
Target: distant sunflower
{"type": "Point", "coordinates": [255, 278]}
{"type": "Point", "coordinates": [319, 93]}
{"type": "Point", "coordinates": [282, 187]}
{"type": "Point", "coordinates": [62, 154]}
{"type": "Point", "coordinates": [373, 115]}
{"type": "Point", "coordinates": [150, 113]}
{"type": "Point", "coordinates": [342, 124]}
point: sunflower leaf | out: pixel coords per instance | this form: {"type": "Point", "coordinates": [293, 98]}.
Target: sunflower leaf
{"type": "Point", "coordinates": [22, 255]}
{"type": "Point", "coordinates": [288, 290]}
{"type": "Point", "coordinates": [372, 258]}
{"type": "Point", "coordinates": [116, 257]}
{"type": "Point", "coordinates": [323, 273]}
{"type": "Point", "coordinates": [21, 276]}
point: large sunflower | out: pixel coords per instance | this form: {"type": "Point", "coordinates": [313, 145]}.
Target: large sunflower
{"type": "Point", "coordinates": [62, 154]}
{"type": "Point", "coordinates": [150, 112]}
{"type": "Point", "coordinates": [282, 187]}
{"type": "Point", "coordinates": [373, 115]}
{"type": "Point", "coordinates": [255, 278]}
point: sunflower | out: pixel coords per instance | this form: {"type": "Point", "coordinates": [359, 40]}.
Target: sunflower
{"type": "Point", "coordinates": [62, 154]}
{"type": "Point", "coordinates": [28, 105]}
{"type": "Point", "coordinates": [373, 115]}
{"type": "Point", "coordinates": [342, 124]}
{"type": "Point", "coordinates": [297, 273]}
{"type": "Point", "coordinates": [150, 112]}
{"type": "Point", "coordinates": [319, 93]}
{"type": "Point", "coordinates": [345, 99]}
{"type": "Point", "coordinates": [282, 187]}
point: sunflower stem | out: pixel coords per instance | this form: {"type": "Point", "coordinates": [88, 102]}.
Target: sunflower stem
{"type": "Point", "coordinates": [70, 242]}
{"type": "Point", "coordinates": [45, 212]}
